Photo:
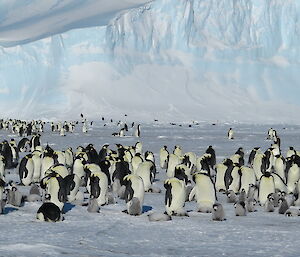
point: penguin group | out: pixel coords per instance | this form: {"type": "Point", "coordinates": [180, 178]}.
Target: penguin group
{"type": "Point", "coordinates": [123, 174]}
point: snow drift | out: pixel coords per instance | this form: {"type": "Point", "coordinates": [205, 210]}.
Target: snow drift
{"type": "Point", "coordinates": [169, 59]}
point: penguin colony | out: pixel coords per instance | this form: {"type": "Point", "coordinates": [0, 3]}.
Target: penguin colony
{"type": "Point", "coordinates": [126, 173]}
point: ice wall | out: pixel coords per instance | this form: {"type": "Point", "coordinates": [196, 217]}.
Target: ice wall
{"type": "Point", "coordinates": [170, 59]}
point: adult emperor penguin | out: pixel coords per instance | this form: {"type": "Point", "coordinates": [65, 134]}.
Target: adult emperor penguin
{"type": "Point", "coordinates": [134, 194]}
{"type": "Point", "coordinates": [23, 145]}
{"type": "Point", "coordinates": [218, 213]}
{"type": "Point", "coordinates": [252, 155]}
{"type": "Point", "coordinates": [49, 212]}
{"type": "Point", "coordinates": [55, 189]}
{"type": "Point", "coordinates": [163, 157]}
{"type": "Point", "coordinates": [146, 170]}
{"type": "Point", "coordinates": [212, 153]}
{"type": "Point", "coordinates": [293, 173]}
{"type": "Point", "coordinates": [221, 170]}
{"type": "Point", "coordinates": [97, 184]}
{"type": "Point", "coordinates": [247, 178]}
{"type": "Point", "coordinates": [266, 187]}
{"type": "Point", "coordinates": [172, 161]}
{"type": "Point", "coordinates": [230, 133]}
{"type": "Point", "coordinates": [204, 191]}
{"type": "Point", "coordinates": [137, 132]}
{"type": "Point", "coordinates": [279, 166]}
{"type": "Point", "coordinates": [26, 170]}
{"type": "Point", "coordinates": [175, 197]}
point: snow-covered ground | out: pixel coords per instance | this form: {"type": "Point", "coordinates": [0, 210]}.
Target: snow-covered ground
{"type": "Point", "coordinates": [113, 233]}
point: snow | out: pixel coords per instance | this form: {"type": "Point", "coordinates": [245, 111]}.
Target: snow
{"type": "Point", "coordinates": [212, 60]}
{"type": "Point", "coordinates": [113, 233]}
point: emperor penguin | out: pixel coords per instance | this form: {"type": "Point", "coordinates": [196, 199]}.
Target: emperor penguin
{"type": "Point", "coordinates": [230, 133]}
{"type": "Point", "coordinates": [135, 162]}
{"type": "Point", "coordinates": [178, 151]}
{"type": "Point", "coordinates": [37, 162]}
{"type": "Point", "coordinates": [2, 201]}
{"type": "Point", "coordinates": [146, 170]}
{"type": "Point", "coordinates": [138, 147]}
{"type": "Point", "coordinates": [293, 173]}
{"type": "Point", "coordinates": [252, 155]}
{"type": "Point", "coordinates": [291, 152]}
{"type": "Point", "coordinates": [175, 197]}
{"type": "Point", "coordinates": [270, 133]}
{"type": "Point", "coordinates": [218, 213]}
{"type": "Point", "coordinates": [98, 184]}
{"type": "Point", "coordinates": [163, 157]}
{"type": "Point", "coordinates": [69, 157]}
{"type": "Point", "coordinates": [204, 191]}
{"type": "Point", "coordinates": [23, 145]}
{"type": "Point", "coordinates": [258, 163]}
{"type": "Point", "coordinates": [62, 132]}
{"type": "Point", "coordinates": [49, 212]}
{"type": "Point", "coordinates": [93, 206]}
{"type": "Point", "coordinates": [26, 170]}
{"type": "Point", "coordinates": [55, 189]}
{"type": "Point", "coordinates": [235, 184]}
{"type": "Point", "coordinates": [134, 194]}
{"type": "Point", "coordinates": [283, 206]}
{"type": "Point", "coordinates": [137, 132]}
{"type": "Point", "coordinates": [221, 170]}
{"type": "Point", "coordinates": [266, 187]}
{"type": "Point", "coordinates": [172, 161]}
{"type": "Point", "coordinates": [279, 167]}
{"type": "Point", "coordinates": [72, 183]}
{"type": "Point", "coordinates": [212, 153]}
{"type": "Point", "coordinates": [231, 196]}
{"type": "Point", "coordinates": [247, 178]}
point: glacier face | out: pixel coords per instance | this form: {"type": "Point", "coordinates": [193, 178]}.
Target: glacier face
{"type": "Point", "coordinates": [169, 59]}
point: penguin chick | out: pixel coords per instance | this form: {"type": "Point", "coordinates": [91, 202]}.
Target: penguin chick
{"type": "Point", "coordinates": [251, 205]}
{"type": "Point", "coordinates": [93, 206]}
{"type": "Point", "coordinates": [231, 197]}
{"type": "Point", "coordinates": [283, 206]}
{"type": "Point", "coordinates": [292, 212]}
{"type": "Point", "coordinates": [269, 205]}
{"type": "Point", "coordinates": [159, 217]}
{"type": "Point", "coordinates": [240, 209]}
{"type": "Point", "coordinates": [218, 213]}
{"type": "Point", "coordinates": [134, 207]}
{"type": "Point", "coordinates": [242, 196]}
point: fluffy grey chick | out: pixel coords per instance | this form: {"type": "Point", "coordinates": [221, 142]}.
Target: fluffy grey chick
{"type": "Point", "coordinates": [242, 196]}
{"type": "Point", "coordinates": [134, 207]}
{"type": "Point", "coordinates": [283, 206]}
{"type": "Point", "coordinates": [93, 206]}
{"type": "Point", "coordinates": [218, 213]}
{"type": "Point", "coordinates": [159, 217]}
{"type": "Point", "coordinates": [269, 205]}
{"type": "Point", "coordinates": [251, 205]}
{"type": "Point", "coordinates": [231, 197]}
{"type": "Point", "coordinates": [292, 212]}
{"type": "Point", "coordinates": [240, 209]}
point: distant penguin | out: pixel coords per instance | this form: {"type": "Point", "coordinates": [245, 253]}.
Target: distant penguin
{"type": "Point", "coordinates": [240, 209]}
{"type": "Point", "coordinates": [218, 213]}
{"type": "Point", "coordinates": [175, 197]}
{"type": "Point", "coordinates": [230, 134]}
{"type": "Point", "coordinates": [26, 169]}
{"type": "Point", "coordinates": [137, 132]}
{"type": "Point", "coordinates": [49, 212]}
{"type": "Point", "coordinates": [204, 192]}
{"type": "Point", "coordinates": [134, 194]}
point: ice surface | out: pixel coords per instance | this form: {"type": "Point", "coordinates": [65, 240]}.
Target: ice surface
{"type": "Point", "coordinates": [211, 60]}
{"type": "Point", "coordinates": [113, 233]}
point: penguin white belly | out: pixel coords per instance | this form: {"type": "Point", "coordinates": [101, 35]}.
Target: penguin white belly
{"type": "Point", "coordinates": [257, 165]}
{"type": "Point", "coordinates": [266, 187]}
{"type": "Point", "coordinates": [144, 172]}
{"type": "Point", "coordinates": [174, 160]}
{"type": "Point", "coordinates": [293, 178]}
{"type": "Point", "coordinates": [29, 178]}
{"type": "Point", "coordinates": [220, 183]}
{"type": "Point", "coordinates": [248, 178]}
{"type": "Point", "coordinates": [37, 167]}
{"type": "Point", "coordinates": [205, 193]}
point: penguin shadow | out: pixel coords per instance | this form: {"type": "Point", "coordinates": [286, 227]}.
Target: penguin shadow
{"type": "Point", "coordinates": [8, 210]}
{"type": "Point", "coordinates": [146, 208]}
{"type": "Point", "coordinates": [68, 207]}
